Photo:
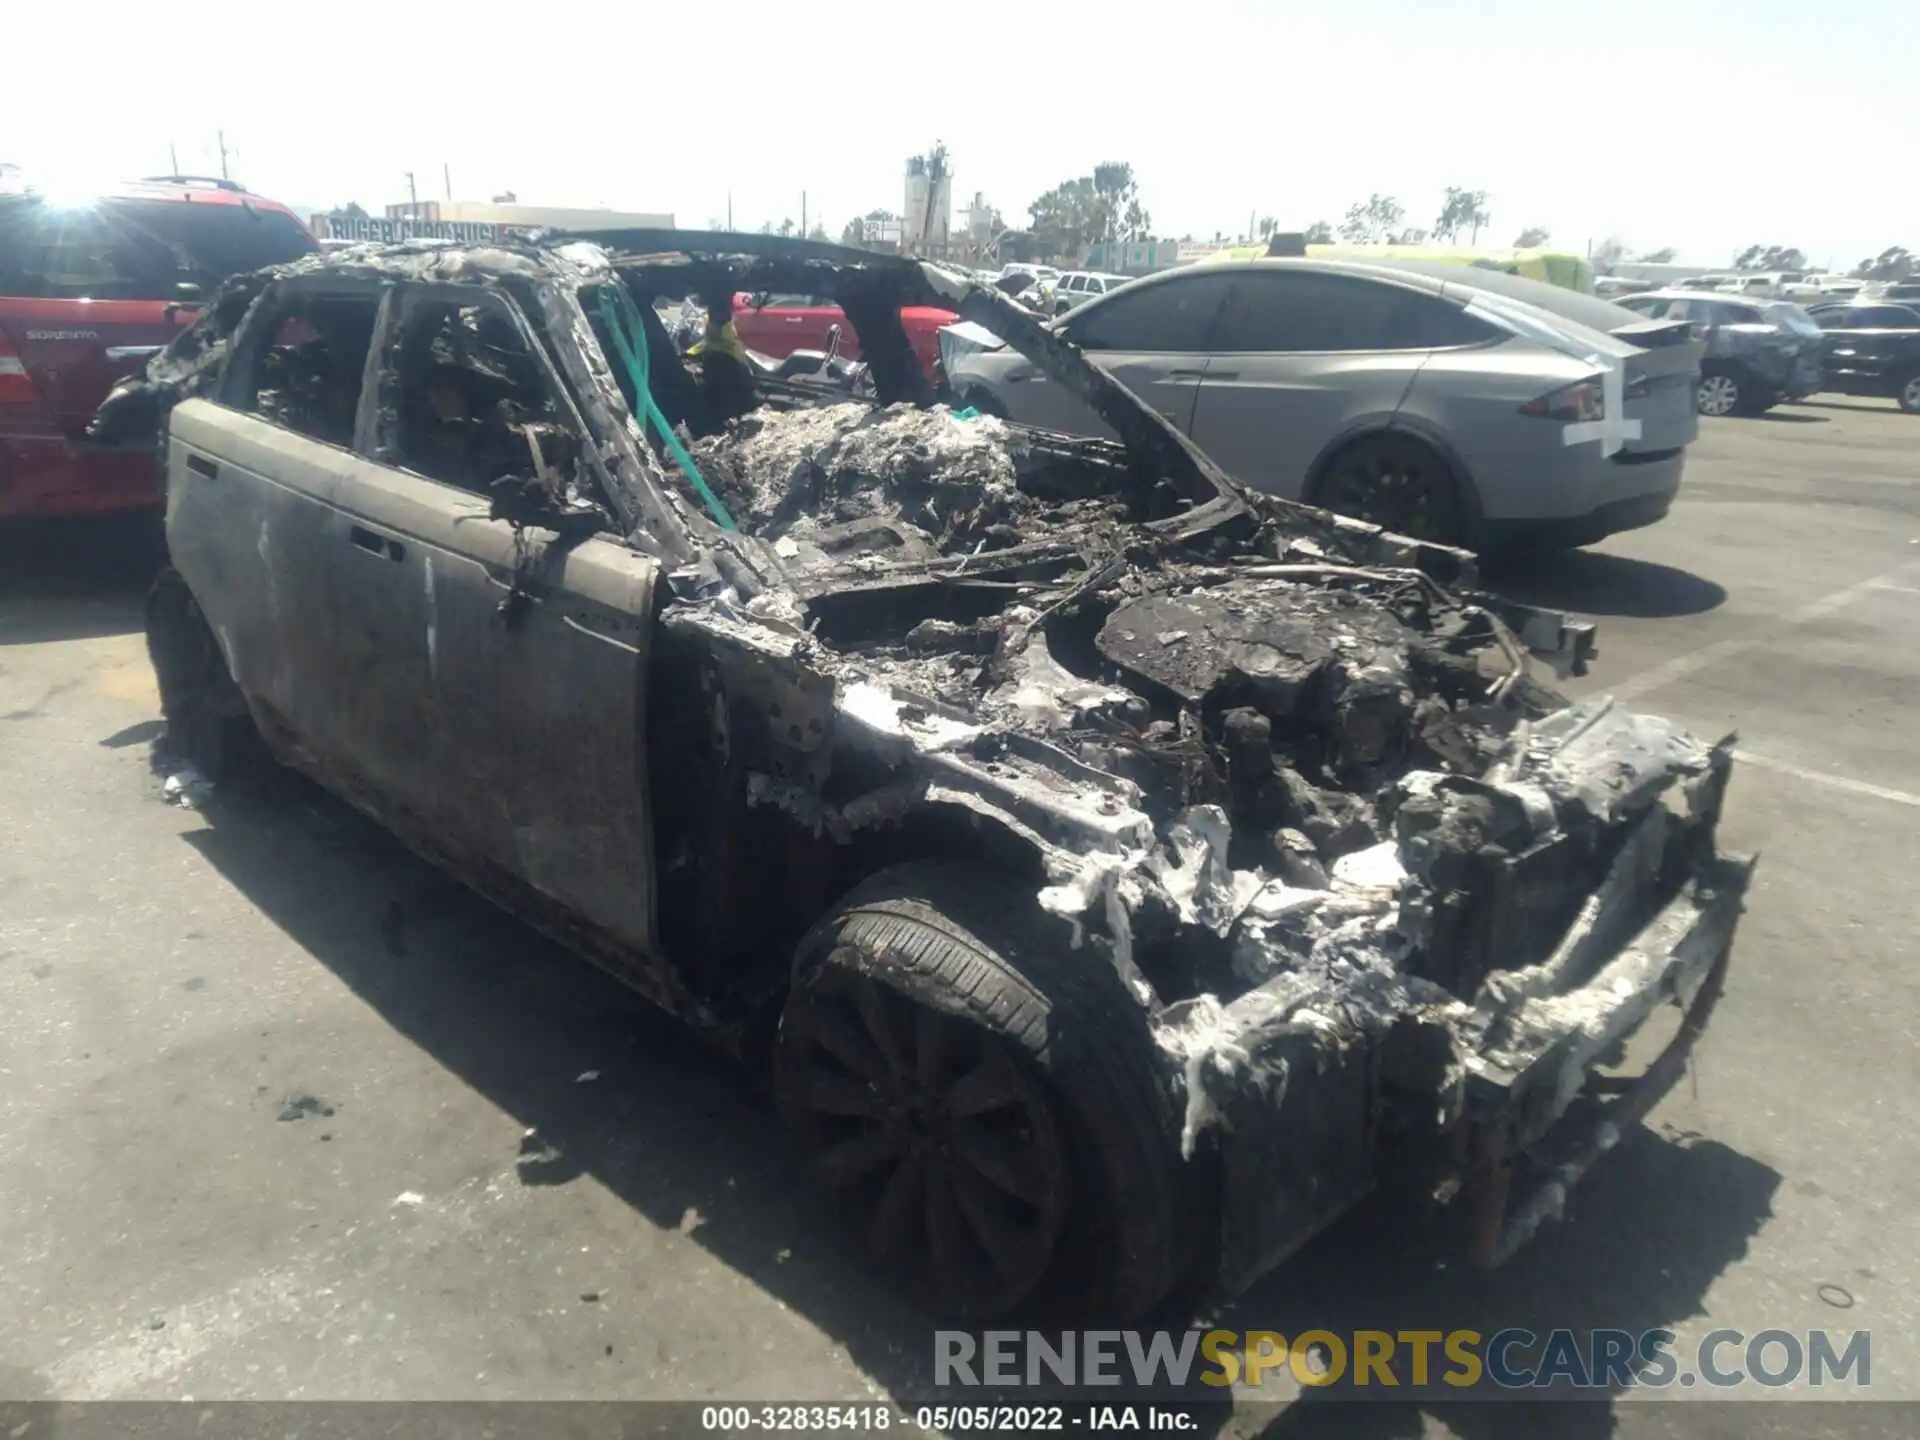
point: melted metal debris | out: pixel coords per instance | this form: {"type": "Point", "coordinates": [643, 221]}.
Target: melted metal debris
{"type": "Point", "coordinates": [823, 480]}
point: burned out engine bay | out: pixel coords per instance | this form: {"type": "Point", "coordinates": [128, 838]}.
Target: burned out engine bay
{"type": "Point", "coordinates": [1275, 770]}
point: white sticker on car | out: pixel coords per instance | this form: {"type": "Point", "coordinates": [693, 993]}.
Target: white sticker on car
{"type": "Point", "coordinates": [1613, 429]}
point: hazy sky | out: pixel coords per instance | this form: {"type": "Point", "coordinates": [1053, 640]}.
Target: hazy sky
{"type": "Point", "coordinates": [1695, 123]}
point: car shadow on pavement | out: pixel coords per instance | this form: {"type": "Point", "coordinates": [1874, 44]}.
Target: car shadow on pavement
{"type": "Point", "coordinates": [76, 579]}
{"type": "Point", "coordinates": [1885, 407]}
{"type": "Point", "coordinates": [1789, 417]}
{"type": "Point", "coordinates": [1592, 582]}
{"type": "Point", "coordinates": [689, 1138]}
{"type": "Point", "coordinates": [1646, 1234]}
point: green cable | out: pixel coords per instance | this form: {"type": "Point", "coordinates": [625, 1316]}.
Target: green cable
{"type": "Point", "coordinates": [633, 354]}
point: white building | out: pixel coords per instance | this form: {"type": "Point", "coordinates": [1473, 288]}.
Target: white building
{"type": "Point", "coordinates": [928, 220]}
{"type": "Point", "coordinates": [531, 217]}
{"type": "Point", "coordinates": [977, 219]}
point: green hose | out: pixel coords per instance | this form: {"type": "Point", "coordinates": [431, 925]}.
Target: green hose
{"type": "Point", "coordinates": [629, 338]}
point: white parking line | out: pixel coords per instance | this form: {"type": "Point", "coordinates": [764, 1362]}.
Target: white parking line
{"type": "Point", "coordinates": [1695, 660]}
{"type": "Point", "coordinates": [1821, 777]}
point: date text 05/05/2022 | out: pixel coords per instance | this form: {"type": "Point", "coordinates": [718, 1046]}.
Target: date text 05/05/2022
{"type": "Point", "coordinates": [944, 1419]}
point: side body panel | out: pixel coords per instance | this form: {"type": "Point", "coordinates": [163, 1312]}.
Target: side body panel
{"type": "Point", "coordinates": [1265, 417]}
{"type": "Point", "coordinates": [251, 525]}
{"type": "Point", "coordinates": [1167, 383]}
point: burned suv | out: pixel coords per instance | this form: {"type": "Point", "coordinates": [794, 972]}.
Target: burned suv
{"type": "Point", "coordinates": [1122, 874]}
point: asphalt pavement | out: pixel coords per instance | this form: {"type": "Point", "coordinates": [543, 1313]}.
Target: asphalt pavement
{"type": "Point", "coordinates": [285, 1114]}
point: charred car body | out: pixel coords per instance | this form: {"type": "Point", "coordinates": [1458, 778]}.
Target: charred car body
{"type": "Point", "coordinates": [1128, 874]}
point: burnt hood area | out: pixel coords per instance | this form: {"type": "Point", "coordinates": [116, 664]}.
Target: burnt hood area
{"type": "Point", "coordinates": [1275, 667]}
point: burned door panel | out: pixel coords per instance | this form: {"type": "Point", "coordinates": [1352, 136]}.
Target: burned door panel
{"type": "Point", "coordinates": [249, 524]}
{"type": "Point", "coordinates": [251, 485]}
{"type": "Point", "coordinates": [538, 670]}
{"type": "Point", "coordinates": [522, 654]}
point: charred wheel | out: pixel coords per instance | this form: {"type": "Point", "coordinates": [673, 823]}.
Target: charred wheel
{"type": "Point", "coordinates": [1396, 482]}
{"type": "Point", "coordinates": [979, 1101]}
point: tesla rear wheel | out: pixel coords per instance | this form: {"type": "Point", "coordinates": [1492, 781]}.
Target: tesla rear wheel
{"type": "Point", "coordinates": [1910, 395]}
{"type": "Point", "coordinates": [1396, 482]}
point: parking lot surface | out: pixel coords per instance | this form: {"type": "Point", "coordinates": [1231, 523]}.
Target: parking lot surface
{"type": "Point", "coordinates": [286, 1114]}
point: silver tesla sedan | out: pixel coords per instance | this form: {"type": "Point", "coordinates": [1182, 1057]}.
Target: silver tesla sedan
{"type": "Point", "coordinates": [1455, 404]}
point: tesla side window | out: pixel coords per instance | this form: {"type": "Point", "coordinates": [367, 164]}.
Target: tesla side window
{"type": "Point", "coordinates": [1173, 317]}
{"type": "Point", "coordinates": [1310, 312]}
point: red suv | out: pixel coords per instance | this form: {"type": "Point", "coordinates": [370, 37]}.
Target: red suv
{"type": "Point", "coordinates": [778, 325]}
{"type": "Point", "coordinates": [89, 290]}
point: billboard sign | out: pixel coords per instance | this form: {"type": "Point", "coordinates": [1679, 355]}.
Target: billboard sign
{"type": "Point", "coordinates": [336, 225]}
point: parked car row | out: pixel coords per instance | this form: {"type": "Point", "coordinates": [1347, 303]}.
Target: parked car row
{"type": "Point", "coordinates": [1763, 352]}
{"type": "Point", "coordinates": [1758, 353]}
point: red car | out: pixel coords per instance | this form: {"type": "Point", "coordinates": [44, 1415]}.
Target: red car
{"type": "Point", "coordinates": [88, 290]}
{"type": "Point", "coordinates": [778, 325]}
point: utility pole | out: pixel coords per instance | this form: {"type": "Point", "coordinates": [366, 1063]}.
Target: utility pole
{"type": "Point", "coordinates": [803, 214]}
{"type": "Point", "coordinates": [221, 137]}
{"type": "Point", "coordinates": [729, 210]}
{"type": "Point", "coordinates": [173, 154]}
{"type": "Point", "coordinates": [446, 173]}
{"type": "Point", "coordinates": [413, 199]}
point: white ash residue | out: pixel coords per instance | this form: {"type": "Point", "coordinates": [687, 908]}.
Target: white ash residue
{"type": "Point", "coordinates": [797, 472]}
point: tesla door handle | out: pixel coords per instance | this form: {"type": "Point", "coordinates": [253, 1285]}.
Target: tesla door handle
{"type": "Point", "coordinates": [1185, 374]}
{"type": "Point", "coordinates": [795, 319]}
{"type": "Point", "coordinates": [203, 467]}
{"type": "Point", "coordinates": [376, 544]}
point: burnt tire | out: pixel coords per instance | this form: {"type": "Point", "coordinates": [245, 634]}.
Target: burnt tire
{"type": "Point", "coordinates": [208, 725]}
{"type": "Point", "coordinates": [1397, 482]}
{"type": "Point", "coordinates": [983, 1102]}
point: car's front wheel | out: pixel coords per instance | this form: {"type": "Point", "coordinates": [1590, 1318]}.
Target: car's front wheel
{"type": "Point", "coordinates": [981, 1101]}
{"type": "Point", "coordinates": [1909, 396]}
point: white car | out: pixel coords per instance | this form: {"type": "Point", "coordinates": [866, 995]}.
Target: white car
{"type": "Point", "coordinates": [1824, 287]}
{"type": "Point", "coordinates": [1077, 287]}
